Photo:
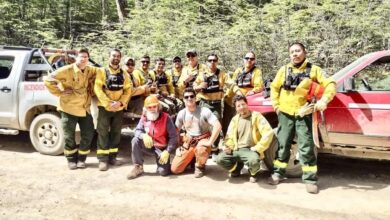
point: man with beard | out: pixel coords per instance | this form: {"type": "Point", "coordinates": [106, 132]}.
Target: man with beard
{"type": "Point", "coordinates": [197, 141]}
{"type": "Point", "coordinates": [155, 133]}
{"type": "Point", "coordinates": [73, 84]}
{"type": "Point", "coordinates": [248, 136]}
{"type": "Point", "coordinates": [113, 90]}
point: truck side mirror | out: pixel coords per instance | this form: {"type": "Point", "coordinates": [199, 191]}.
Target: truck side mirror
{"type": "Point", "coordinates": [349, 84]}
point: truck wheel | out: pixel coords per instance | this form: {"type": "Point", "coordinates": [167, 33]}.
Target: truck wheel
{"type": "Point", "coordinates": [46, 134]}
{"type": "Point", "coordinates": [294, 168]}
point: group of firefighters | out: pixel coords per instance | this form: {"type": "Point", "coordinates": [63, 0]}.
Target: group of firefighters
{"type": "Point", "coordinates": [190, 111]}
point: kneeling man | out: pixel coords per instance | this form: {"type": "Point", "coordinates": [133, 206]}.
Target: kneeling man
{"type": "Point", "coordinates": [155, 133]}
{"type": "Point", "coordinates": [248, 136]}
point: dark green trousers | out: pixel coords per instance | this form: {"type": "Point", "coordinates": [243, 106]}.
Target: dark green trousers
{"type": "Point", "coordinates": [109, 128]}
{"type": "Point", "coordinates": [243, 155]}
{"type": "Point", "coordinates": [302, 127]}
{"type": "Point", "coordinates": [73, 152]}
{"type": "Point", "coordinates": [216, 108]}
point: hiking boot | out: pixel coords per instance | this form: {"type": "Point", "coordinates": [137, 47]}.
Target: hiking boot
{"type": "Point", "coordinates": [72, 165]}
{"type": "Point", "coordinates": [275, 179]}
{"type": "Point", "coordinates": [199, 172]}
{"type": "Point", "coordinates": [81, 164]}
{"type": "Point", "coordinates": [237, 171]}
{"type": "Point", "coordinates": [312, 188]}
{"type": "Point", "coordinates": [115, 162]}
{"type": "Point", "coordinates": [103, 166]}
{"type": "Point", "coordinates": [253, 179]}
{"type": "Point", "coordinates": [135, 172]}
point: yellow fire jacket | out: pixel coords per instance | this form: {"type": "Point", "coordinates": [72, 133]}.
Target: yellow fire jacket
{"type": "Point", "coordinates": [141, 76]}
{"type": "Point", "coordinates": [256, 82]}
{"type": "Point", "coordinates": [189, 71]}
{"type": "Point", "coordinates": [77, 103]}
{"type": "Point", "coordinates": [138, 89]}
{"type": "Point", "coordinates": [105, 96]}
{"type": "Point", "coordinates": [168, 87]}
{"type": "Point", "coordinates": [222, 77]}
{"type": "Point", "coordinates": [290, 101]}
{"type": "Point", "coordinates": [177, 73]}
{"type": "Point", "coordinates": [262, 133]}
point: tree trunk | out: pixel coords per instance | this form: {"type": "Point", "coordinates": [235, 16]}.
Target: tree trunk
{"type": "Point", "coordinates": [121, 9]}
{"type": "Point", "coordinates": [103, 12]}
{"type": "Point", "coordinates": [68, 26]}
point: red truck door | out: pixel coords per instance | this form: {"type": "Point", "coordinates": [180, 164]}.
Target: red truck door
{"type": "Point", "coordinates": [362, 116]}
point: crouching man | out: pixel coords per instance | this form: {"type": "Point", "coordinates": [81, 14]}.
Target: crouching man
{"type": "Point", "coordinates": [155, 133]}
{"type": "Point", "coordinates": [248, 136]}
{"type": "Point", "coordinates": [196, 122]}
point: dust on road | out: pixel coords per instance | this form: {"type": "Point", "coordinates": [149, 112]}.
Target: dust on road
{"type": "Point", "coordinates": [35, 186]}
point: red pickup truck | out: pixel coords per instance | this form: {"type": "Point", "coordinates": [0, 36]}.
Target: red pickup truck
{"type": "Point", "coordinates": [356, 122]}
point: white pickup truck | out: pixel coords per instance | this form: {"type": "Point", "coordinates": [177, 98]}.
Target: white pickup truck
{"type": "Point", "coordinates": [25, 103]}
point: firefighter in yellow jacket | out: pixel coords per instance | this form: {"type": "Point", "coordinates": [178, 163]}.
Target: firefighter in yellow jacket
{"type": "Point", "coordinates": [113, 89]}
{"type": "Point", "coordinates": [176, 71]}
{"type": "Point", "coordinates": [73, 84]}
{"type": "Point", "coordinates": [136, 103]}
{"type": "Point", "coordinates": [209, 87]}
{"type": "Point", "coordinates": [246, 80]}
{"type": "Point", "coordinates": [248, 136]}
{"type": "Point", "coordinates": [289, 92]}
{"type": "Point", "coordinates": [191, 71]}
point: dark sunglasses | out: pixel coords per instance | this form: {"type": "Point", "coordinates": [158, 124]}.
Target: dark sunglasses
{"type": "Point", "coordinates": [211, 60]}
{"type": "Point", "coordinates": [129, 64]}
{"type": "Point", "coordinates": [191, 55]}
{"type": "Point", "coordinates": [189, 96]}
{"type": "Point", "coordinates": [177, 61]}
{"type": "Point", "coordinates": [249, 58]}
{"type": "Point", "coordinates": [145, 61]}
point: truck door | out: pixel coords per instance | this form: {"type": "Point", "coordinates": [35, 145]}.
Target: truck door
{"type": "Point", "coordinates": [8, 90]}
{"type": "Point", "coordinates": [364, 111]}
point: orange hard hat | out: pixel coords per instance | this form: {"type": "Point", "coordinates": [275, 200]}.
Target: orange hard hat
{"type": "Point", "coordinates": [151, 100]}
{"type": "Point", "coordinates": [315, 91]}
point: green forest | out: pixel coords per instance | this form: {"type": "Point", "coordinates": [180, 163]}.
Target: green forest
{"type": "Point", "coordinates": [335, 31]}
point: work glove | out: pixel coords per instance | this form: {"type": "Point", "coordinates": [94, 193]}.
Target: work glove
{"type": "Point", "coordinates": [148, 141]}
{"type": "Point", "coordinates": [321, 104]}
{"type": "Point", "coordinates": [164, 157]}
{"type": "Point", "coordinates": [306, 109]}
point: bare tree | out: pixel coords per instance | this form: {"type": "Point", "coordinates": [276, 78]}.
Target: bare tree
{"type": "Point", "coordinates": [121, 8]}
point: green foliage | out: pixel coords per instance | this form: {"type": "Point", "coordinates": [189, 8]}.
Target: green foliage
{"type": "Point", "coordinates": [335, 31]}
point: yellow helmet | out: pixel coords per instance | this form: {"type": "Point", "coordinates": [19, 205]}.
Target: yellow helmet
{"type": "Point", "coordinates": [151, 100]}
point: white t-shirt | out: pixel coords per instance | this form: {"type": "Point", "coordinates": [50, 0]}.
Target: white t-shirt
{"type": "Point", "coordinates": [196, 123]}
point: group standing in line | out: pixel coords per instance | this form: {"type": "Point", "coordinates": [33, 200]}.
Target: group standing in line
{"type": "Point", "coordinates": [209, 105]}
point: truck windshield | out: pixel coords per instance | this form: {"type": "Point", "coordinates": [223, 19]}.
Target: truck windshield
{"type": "Point", "coordinates": [346, 69]}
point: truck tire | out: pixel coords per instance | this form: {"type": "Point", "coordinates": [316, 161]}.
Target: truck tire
{"type": "Point", "coordinates": [294, 168]}
{"type": "Point", "coordinates": [46, 134]}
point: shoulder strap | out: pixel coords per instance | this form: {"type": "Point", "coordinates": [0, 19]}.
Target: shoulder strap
{"type": "Point", "coordinates": [308, 69]}
{"type": "Point", "coordinates": [107, 71]}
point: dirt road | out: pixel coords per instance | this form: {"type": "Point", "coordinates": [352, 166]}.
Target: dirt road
{"type": "Point", "coordinates": [35, 186]}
